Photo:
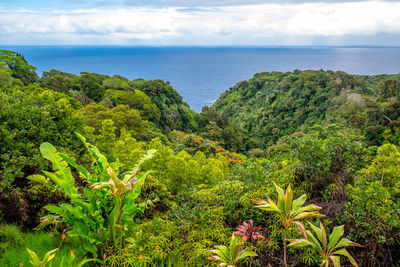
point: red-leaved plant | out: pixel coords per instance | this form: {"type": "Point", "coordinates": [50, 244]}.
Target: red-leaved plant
{"type": "Point", "coordinates": [248, 232]}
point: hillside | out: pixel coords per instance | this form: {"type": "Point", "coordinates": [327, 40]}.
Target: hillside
{"type": "Point", "coordinates": [283, 170]}
{"type": "Point", "coordinates": [272, 105]}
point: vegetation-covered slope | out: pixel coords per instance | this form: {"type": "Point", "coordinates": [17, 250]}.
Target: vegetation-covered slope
{"type": "Point", "coordinates": [272, 105]}
{"type": "Point", "coordinates": [122, 171]}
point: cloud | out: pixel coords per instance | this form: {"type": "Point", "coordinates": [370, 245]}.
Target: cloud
{"type": "Point", "coordinates": [264, 24]}
{"type": "Point", "coordinates": [213, 3]}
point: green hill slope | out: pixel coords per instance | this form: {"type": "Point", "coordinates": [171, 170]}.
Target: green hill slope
{"type": "Point", "coordinates": [271, 105]}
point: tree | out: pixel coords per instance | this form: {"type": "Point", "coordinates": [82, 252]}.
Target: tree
{"type": "Point", "coordinates": [20, 68]}
{"type": "Point", "coordinates": [390, 88]}
{"type": "Point", "coordinates": [90, 85]}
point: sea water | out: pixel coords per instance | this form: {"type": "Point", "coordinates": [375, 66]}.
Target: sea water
{"type": "Point", "coordinates": [201, 74]}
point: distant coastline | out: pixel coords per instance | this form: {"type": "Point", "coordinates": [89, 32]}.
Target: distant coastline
{"type": "Point", "coordinates": [201, 73]}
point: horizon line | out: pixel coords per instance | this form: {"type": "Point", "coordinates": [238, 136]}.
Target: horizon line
{"type": "Point", "coordinates": [201, 46]}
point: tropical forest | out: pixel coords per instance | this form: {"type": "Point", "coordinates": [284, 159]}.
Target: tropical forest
{"type": "Point", "coordinates": [298, 168]}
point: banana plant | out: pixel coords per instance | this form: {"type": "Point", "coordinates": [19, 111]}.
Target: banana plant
{"type": "Point", "coordinates": [232, 255]}
{"type": "Point", "coordinates": [105, 210]}
{"type": "Point", "coordinates": [329, 248]}
{"type": "Point", "coordinates": [289, 210]}
{"type": "Point", "coordinates": [46, 261]}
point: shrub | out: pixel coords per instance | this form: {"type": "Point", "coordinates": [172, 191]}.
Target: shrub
{"type": "Point", "coordinates": [102, 215]}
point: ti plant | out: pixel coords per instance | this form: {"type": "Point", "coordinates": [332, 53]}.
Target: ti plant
{"type": "Point", "coordinates": [232, 255]}
{"type": "Point", "coordinates": [106, 209]}
{"type": "Point", "coordinates": [46, 261]}
{"type": "Point", "coordinates": [289, 210]}
{"type": "Point", "coordinates": [329, 248]}
{"type": "Point", "coordinates": [248, 232]}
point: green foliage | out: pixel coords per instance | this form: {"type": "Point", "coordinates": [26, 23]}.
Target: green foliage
{"type": "Point", "coordinates": [374, 198]}
{"type": "Point", "coordinates": [316, 130]}
{"type": "Point", "coordinates": [232, 255]}
{"type": "Point", "coordinates": [272, 105]}
{"type": "Point", "coordinates": [10, 236]}
{"type": "Point", "coordinates": [65, 255]}
{"type": "Point", "coordinates": [106, 209]}
{"type": "Point", "coordinates": [7, 82]}
{"type": "Point", "coordinates": [136, 100]}
{"type": "Point", "coordinates": [181, 171]}
{"type": "Point", "coordinates": [390, 88]}
{"type": "Point", "coordinates": [175, 114]}
{"type": "Point", "coordinates": [329, 248]}
{"type": "Point", "coordinates": [47, 258]}
{"type": "Point", "coordinates": [221, 128]}
{"type": "Point", "coordinates": [90, 84]}
{"type": "Point", "coordinates": [20, 69]}
{"type": "Point", "coordinates": [289, 210]}
{"type": "Point", "coordinates": [195, 143]}
{"type": "Point", "coordinates": [29, 116]}
{"type": "Point", "coordinates": [16, 253]}
{"type": "Point", "coordinates": [59, 81]}
{"type": "Point", "coordinates": [117, 83]}
{"type": "Point", "coordinates": [122, 117]}
{"type": "Point", "coordinates": [157, 194]}
{"type": "Point", "coordinates": [31, 119]}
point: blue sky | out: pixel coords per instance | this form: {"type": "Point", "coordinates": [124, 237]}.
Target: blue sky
{"type": "Point", "coordinates": [200, 22]}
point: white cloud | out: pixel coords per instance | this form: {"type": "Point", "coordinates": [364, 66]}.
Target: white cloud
{"type": "Point", "coordinates": [253, 24]}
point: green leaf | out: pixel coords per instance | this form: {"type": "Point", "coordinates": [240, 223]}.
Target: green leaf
{"type": "Point", "coordinates": [314, 240]}
{"type": "Point", "coordinates": [300, 243]}
{"type": "Point", "coordinates": [84, 261]}
{"type": "Point", "coordinates": [268, 207]}
{"type": "Point", "coordinates": [281, 204]}
{"type": "Point", "coordinates": [279, 190]}
{"type": "Point", "coordinates": [344, 242]}
{"type": "Point", "coordinates": [55, 209]}
{"type": "Point", "coordinates": [48, 257]}
{"type": "Point", "coordinates": [297, 203]}
{"type": "Point", "coordinates": [323, 234]}
{"type": "Point", "coordinates": [83, 139]}
{"type": "Point", "coordinates": [72, 162]}
{"type": "Point", "coordinates": [234, 247]}
{"type": "Point", "coordinates": [288, 199]}
{"type": "Point", "coordinates": [302, 229]}
{"type": "Point", "coordinates": [113, 218]}
{"type": "Point", "coordinates": [34, 258]}
{"type": "Point", "coordinates": [345, 253]}
{"type": "Point", "coordinates": [334, 237]}
{"type": "Point", "coordinates": [246, 253]}
{"type": "Point", "coordinates": [335, 261]}
{"type": "Point", "coordinates": [317, 231]}
{"type": "Point", "coordinates": [38, 178]}
{"type": "Point", "coordinates": [306, 215]}
{"type": "Point", "coordinates": [49, 152]}
{"type": "Point", "coordinates": [223, 253]}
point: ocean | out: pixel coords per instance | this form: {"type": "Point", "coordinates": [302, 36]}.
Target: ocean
{"type": "Point", "coordinates": [201, 74]}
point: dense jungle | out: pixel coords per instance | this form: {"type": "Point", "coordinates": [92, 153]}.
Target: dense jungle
{"type": "Point", "coordinates": [286, 169]}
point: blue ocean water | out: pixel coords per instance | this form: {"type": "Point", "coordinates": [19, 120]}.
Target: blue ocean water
{"type": "Point", "coordinates": [201, 74]}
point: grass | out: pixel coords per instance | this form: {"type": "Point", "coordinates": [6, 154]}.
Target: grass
{"type": "Point", "coordinates": [14, 245]}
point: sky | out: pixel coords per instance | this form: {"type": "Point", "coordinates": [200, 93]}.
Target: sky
{"type": "Point", "coordinates": [200, 22]}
